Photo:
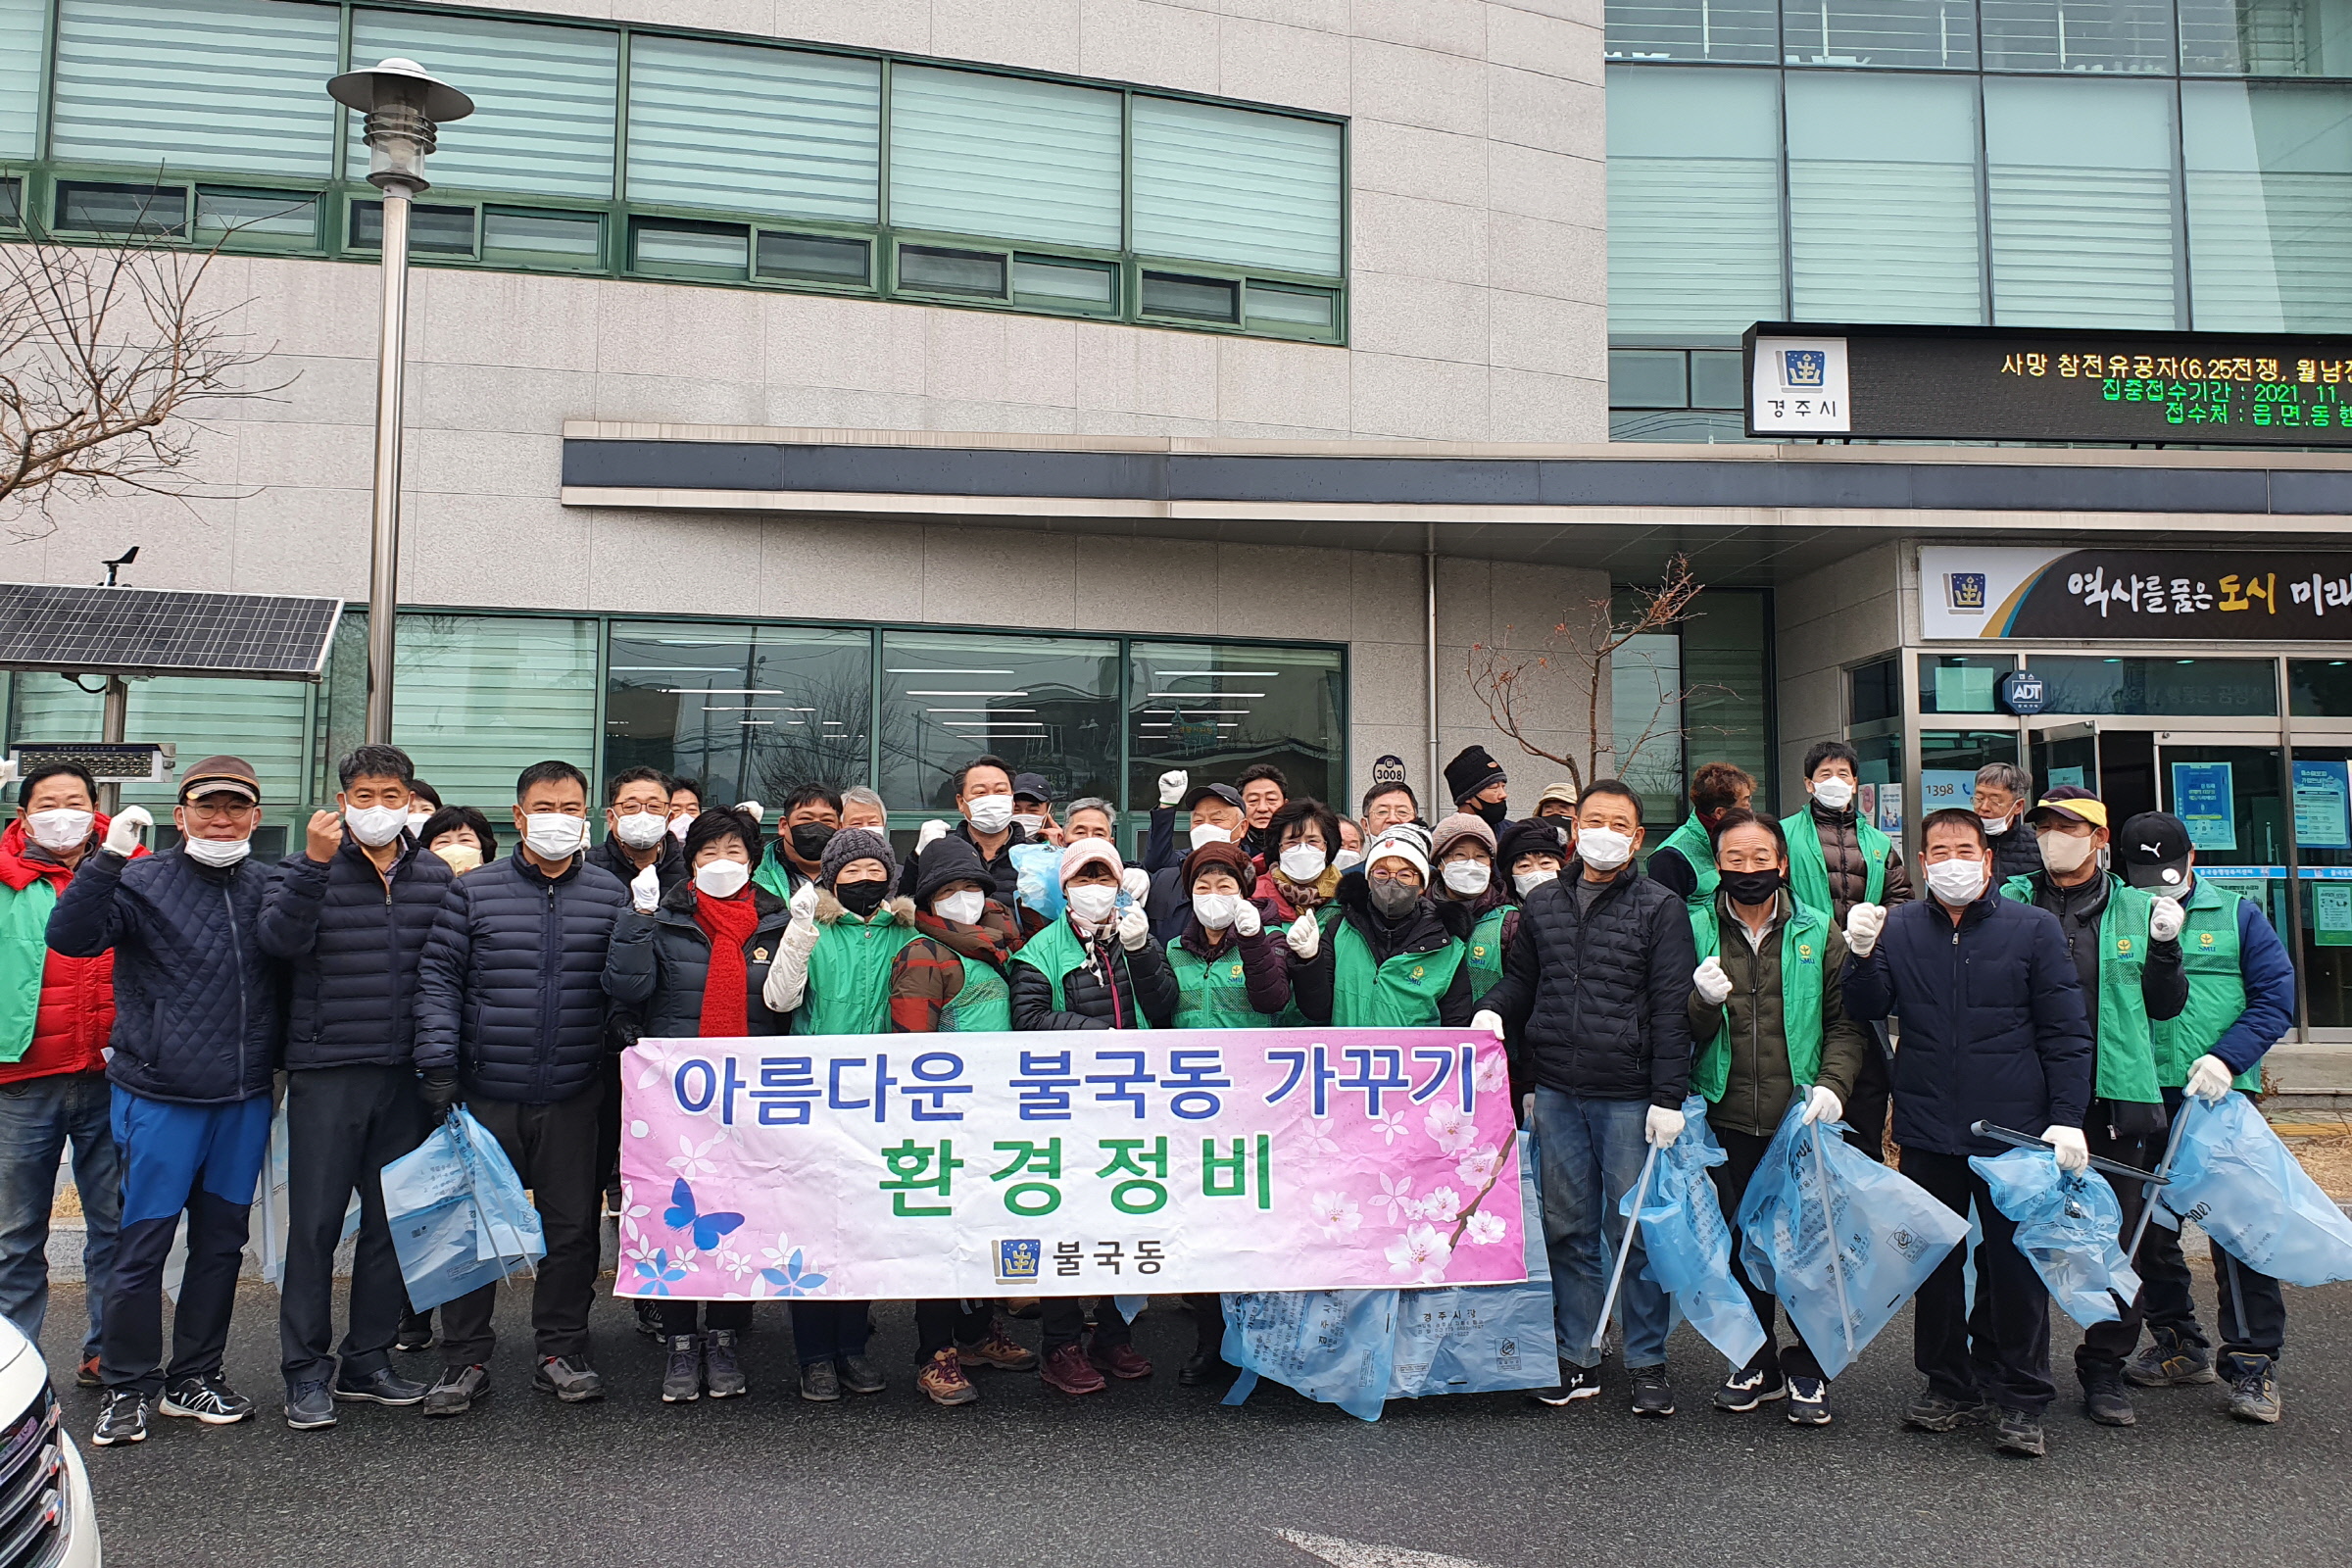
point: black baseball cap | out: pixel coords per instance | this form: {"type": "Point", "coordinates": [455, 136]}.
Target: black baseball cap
{"type": "Point", "coordinates": [1201, 792]}
{"type": "Point", "coordinates": [1030, 787]}
{"type": "Point", "coordinates": [2154, 848]}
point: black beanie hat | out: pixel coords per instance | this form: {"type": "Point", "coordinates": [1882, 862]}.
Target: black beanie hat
{"type": "Point", "coordinates": [948, 859]}
{"type": "Point", "coordinates": [1530, 835]}
{"type": "Point", "coordinates": [1470, 771]}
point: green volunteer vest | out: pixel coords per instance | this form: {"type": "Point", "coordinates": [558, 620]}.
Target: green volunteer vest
{"type": "Point", "coordinates": [1697, 846]}
{"type": "Point", "coordinates": [773, 874]}
{"type": "Point", "coordinates": [1809, 873]}
{"type": "Point", "coordinates": [1804, 941]}
{"type": "Point", "coordinates": [849, 976]}
{"type": "Point", "coordinates": [984, 1005]}
{"type": "Point", "coordinates": [2126, 1049]}
{"type": "Point", "coordinates": [1054, 952]}
{"type": "Point", "coordinates": [1486, 951]}
{"type": "Point", "coordinates": [1291, 1017]}
{"type": "Point", "coordinates": [24, 952]}
{"type": "Point", "coordinates": [1214, 994]}
{"type": "Point", "coordinates": [2216, 988]}
{"type": "Point", "coordinates": [1400, 994]}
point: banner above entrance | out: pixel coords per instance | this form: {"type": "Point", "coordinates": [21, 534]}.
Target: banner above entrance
{"type": "Point", "coordinates": [2202, 594]}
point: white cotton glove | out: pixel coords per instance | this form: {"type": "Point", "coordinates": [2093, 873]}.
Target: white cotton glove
{"type": "Point", "coordinates": [1136, 883]}
{"type": "Point", "coordinates": [2208, 1078]}
{"type": "Point", "coordinates": [2067, 1144]}
{"type": "Point", "coordinates": [803, 908]}
{"type": "Point", "coordinates": [1306, 938]}
{"type": "Point", "coordinates": [752, 809]}
{"type": "Point", "coordinates": [1663, 1127]}
{"type": "Point", "coordinates": [1172, 786]}
{"type": "Point", "coordinates": [788, 976]}
{"type": "Point", "coordinates": [1245, 922]}
{"type": "Point", "coordinates": [1710, 982]}
{"type": "Point", "coordinates": [928, 834]}
{"type": "Point", "coordinates": [645, 891]}
{"type": "Point", "coordinates": [1821, 1106]}
{"type": "Point", "coordinates": [1487, 1019]}
{"type": "Point", "coordinates": [1863, 923]}
{"type": "Point", "coordinates": [1135, 928]}
{"type": "Point", "coordinates": [2165, 919]}
{"type": "Point", "coordinates": [122, 833]}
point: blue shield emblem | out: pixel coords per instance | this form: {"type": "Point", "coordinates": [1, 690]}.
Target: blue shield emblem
{"type": "Point", "coordinates": [1017, 1261]}
{"type": "Point", "coordinates": [1804, 368]}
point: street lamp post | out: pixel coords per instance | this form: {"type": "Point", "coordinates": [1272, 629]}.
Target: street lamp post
{"type": "Point", "coordinates": [404, 106]}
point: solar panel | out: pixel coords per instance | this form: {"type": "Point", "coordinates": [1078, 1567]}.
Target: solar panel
{"type": "Point", "coordinates": [141, 632]}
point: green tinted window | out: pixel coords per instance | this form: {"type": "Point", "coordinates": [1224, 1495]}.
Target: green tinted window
{"type": "Point", "coordinates": [974, 154]}
{"type": "Point", "coordinates": [752, 129]}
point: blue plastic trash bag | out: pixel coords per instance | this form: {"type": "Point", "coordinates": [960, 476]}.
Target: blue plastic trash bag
{"type": "Point", "coordinates": [1891, 1234]}
{"type": "Point", "coordinates": [1037, 870]}
{"type": "Point", "coordinates": [2069, 1226]}
{"type": "Point", "coordinates": [1687, 1245]}
{"type": "Point", "coordinates": [460, 1218]}
{"type": "Point", "coordinates": [1335, 1346]}
{"type": "Point", "coordinates": [2236, 1180]}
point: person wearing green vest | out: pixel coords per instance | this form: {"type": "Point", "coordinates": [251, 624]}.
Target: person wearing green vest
{"type": "Point", "coordinates": [1839, 859]}
{"type": "Point", "coordinates": [832, 974]}
{"type": "Point", "coordinates": [809, 816]}
{"type": "Point", "coordinates": [1473, 900]}
{"type": "Point", "coordinates": [2125, 947]}
{"type": "Point", "coordinates": [951, 980]}
{"type": "Point", "coordinates": [2241, 1000]}
{"type": "Point", "coordinates": [1768, 1024]}
{"type": "Point", "coordinates": [1388, 961]}
{"type": "Point", "coordinates": [1686, 861]}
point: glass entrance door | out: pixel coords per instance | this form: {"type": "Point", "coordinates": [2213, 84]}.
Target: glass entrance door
{"type": "Point", "coordinates": [2232, 799]}
{"type": "Point", "coordinates": [2065, 753]}
{"type": "Point", "coordinates": [2323, 827]}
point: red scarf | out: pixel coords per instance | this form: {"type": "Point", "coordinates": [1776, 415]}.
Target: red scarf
{"type": "Point", "coordinates": [726, 988]}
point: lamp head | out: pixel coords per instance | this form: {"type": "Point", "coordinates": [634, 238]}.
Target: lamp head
{"type": "Point", "coordinates": [404, 106]}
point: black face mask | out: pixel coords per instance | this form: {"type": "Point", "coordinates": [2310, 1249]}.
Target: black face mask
{"type": "Point", "coordinates": [1491, 812]}
{"type": "Point", "coordinates": [1393, 898]}
{"type": "Point", "coordinates": [861, 899]}
{"type": "Point", "coordinates": [1751, 888]}
{"type": "Point", "coordinates": [808, 840]}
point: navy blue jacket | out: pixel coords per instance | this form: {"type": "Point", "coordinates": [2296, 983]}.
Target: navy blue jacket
{"type": "Point", "coordinates": [2269, 976]}
{"type": "Point", "coordinates": [351, 941]}
{"type": "Point", "coordinates": [510, 993]}
{"type": "Point", "coordinates": [197, 1001]}
{"type": "Point", "coordinates": [1993, 1026]}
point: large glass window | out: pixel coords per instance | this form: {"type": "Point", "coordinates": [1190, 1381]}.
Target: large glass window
{"type": "Point", "coordinates": [24, 34]}
{"type": "Point", "coordinates": [747, 712]}
{"type": "Point", "coordinates": [2269, 204]}
{"type": "Point", "coordinates": [1882, 226]}
{"type": "Point", "coordinates": [2079, 176]}
{"type": "Point", "coordinates": [2267, 37]}
{"type": "Point", "coordinates": [1948, 760]}
{"type": "Point", "coordinates": [1214, 711]}
{"type": "Point", "coordinates": [1002, 156]}
{"type": "Point", "coordinates": [2205, 687]}
{"type": "Point", "coordinates": [1739, 31]}
{"type": "Point", "coordinates": [752, 129]}
{"type": "Point", "coordinates": [2319, 688]}
{"type": "Point", "coordinates": [1047, 705]}
{"type": "Point", "coordinates": [1694, 202]}
{"type": "Point", "coordinates": [1961, 683]}
{"type": "Point", "coordinates": [2130, 35]}
{"type": "Point", "coordinates": [1936, 34]}
{"type": "Point", "coordinates": [477, 699]}
{"type": "Point", "coordinates": [1230, 186]}
{"type": "Point", "coordinates": [1646, 683]}
{"type": "Point", "coordinates": [1727, 676]}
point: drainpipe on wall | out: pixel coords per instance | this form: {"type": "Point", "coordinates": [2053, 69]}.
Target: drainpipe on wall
{"type": "Point", "coordinates": [1429, 579]}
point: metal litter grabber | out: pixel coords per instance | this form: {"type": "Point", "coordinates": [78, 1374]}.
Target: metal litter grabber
{"type": "Point", "coordinates": [1625, 1247]}
{"type": "Point", "coordinates": [2161, 1176]}
{"type": "Point", "coordinates": [1829, 1227]}
{"type": "Point", "coordinates": [2106, 1167]}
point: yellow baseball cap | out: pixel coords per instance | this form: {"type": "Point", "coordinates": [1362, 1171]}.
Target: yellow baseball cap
{"type": "Point", "coordinates": [2069, 801]}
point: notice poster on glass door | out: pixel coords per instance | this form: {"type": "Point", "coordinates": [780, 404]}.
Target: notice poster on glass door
{"type": "Point", "coordinates": [2331, 913]}
{"type": "Point", "coordinates": [2323, 805]}
{"type": "Point", "coordinates": [2205, 800]}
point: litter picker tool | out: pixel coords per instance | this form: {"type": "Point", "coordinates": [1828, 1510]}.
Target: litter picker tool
{"type": "Point", "coordinates": [1625, 1248]}
{"type": "Point", "coordinates": [1829, 1227]}
{"type": "Point", "coordinates": [2152, 1179]}
{"type": "Point", "coordinates": [2161, 1176]}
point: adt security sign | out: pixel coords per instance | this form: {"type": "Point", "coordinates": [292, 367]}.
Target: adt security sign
{"type": "Point", "coordinates": [2023, 694]}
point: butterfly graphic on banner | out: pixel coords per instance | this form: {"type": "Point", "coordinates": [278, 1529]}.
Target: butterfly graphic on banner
{"type": "Point", "coordinates": [706, 1227]}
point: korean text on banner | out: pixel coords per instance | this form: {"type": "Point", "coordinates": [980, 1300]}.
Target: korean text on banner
{"type": "Point", "coordinates": [861, 1168]}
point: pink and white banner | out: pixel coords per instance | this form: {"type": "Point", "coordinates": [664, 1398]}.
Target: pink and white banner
{"type": "Point", "coordinates": [859, 1168]}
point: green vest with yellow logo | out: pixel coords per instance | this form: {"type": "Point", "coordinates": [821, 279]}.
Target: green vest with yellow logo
{"type": "Point", "coordinates": [1056, 951]}
{"type": "Point", "coordinates": [2216, 988]}
{"type": "Point", "coordinates": [1804, 939]}
{"type": "Point", "coordinates": [1400, 994]}
{"type": "Point", "coordinates": [1486, 951]}
{"type": "Point", "coordinates": [849, 976]}
{"type": "Point", "coordinates": [2127, 1045]}
{"type": "Point", "coordinates": [1212, 991]}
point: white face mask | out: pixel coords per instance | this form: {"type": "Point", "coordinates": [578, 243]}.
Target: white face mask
{"type": "Point", "coordinates": [1527, 881]}
{"type": "Point", "coordinates": [554, 835]}
{"type": "Point", "coordinates": [1303, 862]}
{"type": "Point", "coordinates": [417, 819]}
{"type": "Point", "coordinates": [1467, 876]}
{"type": "Point", "coordinates": [1209, 833]}
{"type": "Point", "coordinates": [1956, 881]}
{"type": "Point", "coordinates": [1348, 860]}
{"type": "Point", "coordinates": [1215, 910]}
{"type": "Point", "coordinates": [1994, 827]}
{"type": "Point", "coordinates": [960, 908]}
{"type": "Point", "coordinates": [1092, 903]}
{"type": "Point", "coordinates": [678, 826]}
{"type": "Point", "coordinates": [720, 879]}
{"type": "Point", "coordinates": [2063, 853]}
{"type": "Point", "coordinates": [375, 825]}
{"type": "Point", "coordinates": [218, 851]}
{"type": "Point", "coordinates": [1603, 850]}
{"type": "Point", "coordinates": [61, 829]}
{"type": "Point", "coordinates": [1028, 821]}
{"type": "Point", "coordinates": [989, 814]}
{"type": "Point", "coordinates": [641, 830]}
{"type": "Point", "coordinates": [1834, 793]}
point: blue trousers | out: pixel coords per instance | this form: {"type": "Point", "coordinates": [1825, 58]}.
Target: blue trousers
{"type": "Point", "coordinates": [1589, 1155]}
{"type": "Point", "coordinates": [39, 1118]}
{"type": "Point", "coordinates": [202, 1160]}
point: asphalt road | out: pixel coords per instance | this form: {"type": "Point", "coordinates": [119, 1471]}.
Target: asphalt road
{"type": "Point", "coordinates": [1151, 1474]}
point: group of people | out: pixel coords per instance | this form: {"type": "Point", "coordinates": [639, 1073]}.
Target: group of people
{"type": "Point", "coordinates": [396, 965]}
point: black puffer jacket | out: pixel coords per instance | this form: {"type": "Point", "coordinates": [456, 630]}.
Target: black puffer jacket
{"type": "Point", "coordinates": [659, 962]}
{"type": "Point", "coordinates": [1145, 981]}
{"type": "Point", "coordinates": [669, 866]}
{"type": "Point", "coordinates": [198, 1005]}
{"type": "Point", "coordinates": [351, 939]}
{"type": "Point", "coordinates": [1598, 999]}
{"type": "Point", "coordinates": [510, 989]}
{"type": "Point", "coordinates": [2016, 852]}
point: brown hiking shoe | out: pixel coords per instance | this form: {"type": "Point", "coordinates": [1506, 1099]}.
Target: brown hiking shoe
{"type": "Point", "coordinates": [1121, 1362]}
{"type": "Point", "coordinates": [1000, 1350]}
{"type": "Point", "coordinates": [1068, 1370]}
{"type": "Point", "coordinates": [942, 1379]}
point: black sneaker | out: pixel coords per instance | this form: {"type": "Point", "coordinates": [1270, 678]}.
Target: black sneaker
{"type": "Point", "coordinates": [649, 1321]}
{"type": "Point", "coordinates": [416, 1333]}
{"type": "Point", "coordinates": [568, 1378]}
{"type": "Point", "coordinates": [860, 1376]}
{"type": "Point", "coordinates": [723, 1373]}
{"type": "Point", "coordinates": [456, 1390]}
{"type": "Point", "coordinates": [2019, 1432]}
{"type": "Point", "coordinates": [2170, 1362]}
{"type": "Point", "coordinates": [1204, 1366]}
{"type": "Point", "coordinates": [1576, 1382]}
{"type": "Point", "coordinates": [2105, 1402]}
{"type": "Point", "coordinates": [1809, 1403]}
{"type": "Point", "coordinates": [1652, 1397]}
{"type": "Point", "coordinates": [819, 1382]}
{"type": "Point", "coordinates": [1932, 1412]}
{"type": "Point", "coordinates": [208, 1399]}
{"type": "Point", "coordinates": [1750, 1386]}
{"type": "Point", "coordinates": [2253, 1388]}
{"type": "Point", "coordinates": [682, 1374]}
{"type": "Point", "coordinates": [381, 1386]}
{"type": "Point", "coordinates": [124, 1420]}
{"type": "Point", "coordinates": [309, 1406]}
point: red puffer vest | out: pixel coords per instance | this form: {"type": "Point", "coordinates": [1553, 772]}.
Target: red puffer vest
{"type": "Point", "coordinates": [74, 1014]}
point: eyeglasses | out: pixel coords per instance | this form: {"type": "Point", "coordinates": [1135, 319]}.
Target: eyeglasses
{"type": "Point", "coordinates": [210, 811]}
